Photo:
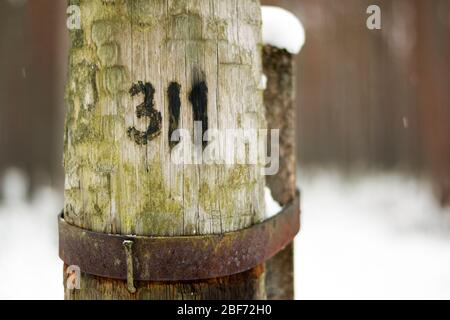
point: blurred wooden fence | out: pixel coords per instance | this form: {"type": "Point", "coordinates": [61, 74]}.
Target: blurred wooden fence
{"type": "Point", "coordinates": [32, 80]}
{"type": "Point", "coordinates": [366, 99]}
{"type": "Point", "coordinates": [375, 99]}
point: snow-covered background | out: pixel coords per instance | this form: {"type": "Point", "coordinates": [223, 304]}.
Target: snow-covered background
{"type": "Point", "coordinates": [29, 263]}
{"type": "Point", "coordinates": [379, 236]}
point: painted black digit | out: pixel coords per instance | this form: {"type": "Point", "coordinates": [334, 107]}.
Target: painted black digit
{"type": "Point", "coordinates": [145, 109]}
{"type": "Point", "coordinates": [173, 93]}
{"type": "Point", "coordinates": [199, 99]}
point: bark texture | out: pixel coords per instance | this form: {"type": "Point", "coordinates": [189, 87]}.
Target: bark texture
{"type": "Point", "coordinates": [280, 113]}
{"type": "Point", "coordinates": [137, 70]}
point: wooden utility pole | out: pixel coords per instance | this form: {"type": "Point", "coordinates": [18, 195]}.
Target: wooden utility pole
{"type": "Point", "coordinates": [138, 70]}
{"type": "Point", "coordinates": [280, 113]}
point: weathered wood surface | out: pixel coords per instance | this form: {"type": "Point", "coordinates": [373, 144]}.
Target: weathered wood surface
{"type": "Point", "coordinates": [280, 275]}
{"type": "Point", "coordinates": [119, 175]}
{"type": "Point", "coordinates": [246, 286]}
{"type": "Point", "coordinates": [280, 113]}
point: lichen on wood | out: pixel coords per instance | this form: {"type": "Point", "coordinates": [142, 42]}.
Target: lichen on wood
{"type": "Point", "coordinates": [114, 183]}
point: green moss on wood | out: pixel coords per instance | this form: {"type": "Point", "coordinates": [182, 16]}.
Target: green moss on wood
{"type": "Point", "coordinates": [108, 54]}
{"type": "Point", "coordinates": [114, 79]}
{"type": "Point", "coordinates": [77, 38]}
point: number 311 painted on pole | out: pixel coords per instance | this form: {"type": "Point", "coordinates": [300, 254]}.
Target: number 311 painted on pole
{"type": "Point", "coordinates": [198, 98]}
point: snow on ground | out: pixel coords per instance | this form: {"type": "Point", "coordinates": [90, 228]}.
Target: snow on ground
{"type": "Point", "coordinates": [29, 263]}
{"type": "Point", "coordinates": [379, 236]}
{"type": "Point", "coordinates": [375, 237]}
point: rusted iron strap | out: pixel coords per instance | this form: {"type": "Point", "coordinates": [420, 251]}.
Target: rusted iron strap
{"type": "Point", "coordinates": [177, 258]}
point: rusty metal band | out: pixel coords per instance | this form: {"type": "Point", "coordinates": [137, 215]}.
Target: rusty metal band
{"type": "Point", "coordinates": [177, 258]}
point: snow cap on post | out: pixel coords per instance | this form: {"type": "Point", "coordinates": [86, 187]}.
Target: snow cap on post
{"type": "Point", "coordinates": [282, 29]}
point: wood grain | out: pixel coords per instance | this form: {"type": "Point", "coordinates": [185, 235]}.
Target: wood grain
{"type": "Point", "coordinates": [116, 185]}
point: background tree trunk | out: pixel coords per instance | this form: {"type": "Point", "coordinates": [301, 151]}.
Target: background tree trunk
{"type": "Point", "coordinates": [120, 179]}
